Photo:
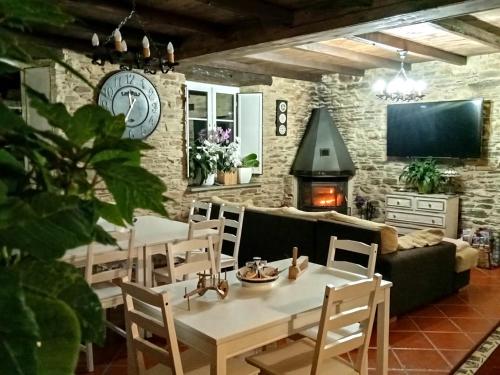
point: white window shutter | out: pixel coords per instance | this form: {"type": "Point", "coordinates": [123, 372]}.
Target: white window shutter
{"type": "Point", "coordinates": [250, 125]}
{"type": "Point", "coordinates": [186, 126]}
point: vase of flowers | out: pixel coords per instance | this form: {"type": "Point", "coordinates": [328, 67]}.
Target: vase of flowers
{"type": "Point", "coordinates": [203, 162]}
{"type": "Point", "coordinates": [228, 161]}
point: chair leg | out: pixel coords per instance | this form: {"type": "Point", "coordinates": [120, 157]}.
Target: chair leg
{"type": "Point", "coordinates": [89, 354]}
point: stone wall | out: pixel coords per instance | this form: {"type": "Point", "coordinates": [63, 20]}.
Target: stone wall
{"type": "Point", "coordinates": [361, 119]}
{"type": "Point", "coordinates": [168, 159]}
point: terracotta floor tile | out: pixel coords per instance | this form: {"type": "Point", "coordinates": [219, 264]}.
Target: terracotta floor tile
{"type": "Point", "coordinates": [476, 337]}
{"type": "Point", "coordinates": [491, 310]}
{"type": "Point", "coordinates": [403, 324]}
{"type": "Point", "coordinates": [454, 299]}
{"type": "Point", "coordinates": [409, 340]}
{"type": "Point", "coordinates": [430, 311]}
{"type": "Point", "coordinates": [427, 372]}
{"type": "Point", "coordinates": [450, 340]}
{"type": "Point", "coordinates": [372, 359]}
{"type": "Point", "coordinates": [429, 324]}
{"type": "Point", "coordinates": [473, 324]}
{"type": "Point", "coordinates": [454, 357]}
{"type": "Point", "coordinates": [421, 359]}
{"type": "Point", "coordinates": [460, 311]}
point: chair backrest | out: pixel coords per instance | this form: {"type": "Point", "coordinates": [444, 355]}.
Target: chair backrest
{"type": "Point", "coordinates": [237, 226]}
{"type": "Point", "coordinates": [136, 321]}
{"type": "Point", "coordinates": [355, 247]}
{"type": "Point", "coordinates": [199, 211]}
{"type": "Point", "coordinates": [202, 262]}
{"type": "Point", "coordinates": [203, 229]}
{"type": "Point", "coordinates": [115, 262]}
{"type": "Point", "coordinates": [344, 306]}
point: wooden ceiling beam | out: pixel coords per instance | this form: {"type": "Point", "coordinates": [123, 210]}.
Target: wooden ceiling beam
{"type": "Point", "coordinates": [356, 57]}
{"type": "Point", "coordinates": [224, 76]}
{"type": "Point", "coordinates": [381, 39]}
{"type": "Point", "coordinates": [273, 69]}
{"type": "Point", "coordinates": [472, 28]}
{"type": "Point", "coordinates": [337, 22]}
{"type": "Point", "coordinates": [154, 20]}
{"type": "Point", "coordinates": [255, 8]}
{"type": "Point", "coordinates": [306, 59]}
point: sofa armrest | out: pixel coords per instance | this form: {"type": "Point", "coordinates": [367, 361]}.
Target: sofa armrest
{"type": "Point", "coordinates": [419, 275]}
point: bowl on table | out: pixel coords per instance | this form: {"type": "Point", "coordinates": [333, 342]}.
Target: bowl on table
{"type": "Point", "coordinates": [257, 276]}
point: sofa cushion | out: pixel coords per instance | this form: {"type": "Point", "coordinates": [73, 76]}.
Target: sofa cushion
{"type": "Point", "coordinates": [466, 259]}
{"type": "Point", "coordinates": [388, 234]}
{"type": "Point", "coordinates": [420, 238]}
{"type": "Point", "coordinates": [459, 243]}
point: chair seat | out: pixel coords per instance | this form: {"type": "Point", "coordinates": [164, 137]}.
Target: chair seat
{"type": "Point", "coordinates": [108, 293]}
{"type": "Point", "coordinates": [195, 363]}
{"type": "Point", "coordinates": [227, 261]}
{"type": "Point", "coordinates": [296, 359]}
{"type": "Point", "coordinates": [312, 333]}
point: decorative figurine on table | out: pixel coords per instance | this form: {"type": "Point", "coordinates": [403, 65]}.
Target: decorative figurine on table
{"type": "Point", "coordinates": [208, 281]}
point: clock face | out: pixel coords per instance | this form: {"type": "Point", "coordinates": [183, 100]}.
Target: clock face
{"type": "Point", "coordinates": [282, 129]}
{"type": "Point", "coordinates": [282, 106]}
{"type": "Point", "coordinates": [135, 96]}
{"type": "Point", "coordinates": [282, 118]}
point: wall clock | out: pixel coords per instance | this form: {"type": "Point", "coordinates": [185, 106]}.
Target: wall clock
{"type": "Point", "coordinates": [281, 117]}
{"type": "Point", "coordinates": [135, 96]}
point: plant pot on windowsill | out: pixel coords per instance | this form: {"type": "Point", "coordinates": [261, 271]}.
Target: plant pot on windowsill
{"type": "Point", "coordinates": [227, 178]}
{"type": "Point", "coordinates": [244, 174]}
{"type": "Point", "coordinates": [209, 181]}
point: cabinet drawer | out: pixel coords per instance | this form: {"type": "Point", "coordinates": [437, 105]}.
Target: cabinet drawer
{"type": "Point", "coordinates": [429, 220]}
{"type": "Point", "coordinates": [431, 205]}
{"type": "Point", "coordinates": [399, 202]}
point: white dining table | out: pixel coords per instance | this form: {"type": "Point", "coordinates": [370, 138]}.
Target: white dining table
{"type": "Point", "coordinates": [249, 318]}
{"type": "Point", "coordinates": [152, 233]}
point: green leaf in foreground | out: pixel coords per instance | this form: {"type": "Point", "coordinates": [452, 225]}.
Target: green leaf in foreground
{"type": "Point", "coordinates": [132, 187]}
{"type": "Point", "coordinates": [18, 328]}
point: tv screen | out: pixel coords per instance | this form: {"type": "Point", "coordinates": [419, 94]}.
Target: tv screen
{"type": "Point", "coordinates": [450, 129]}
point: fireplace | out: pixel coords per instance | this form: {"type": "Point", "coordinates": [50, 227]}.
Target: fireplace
{"type": "Point", "coordinates": [322, 166]}
{"type": "Point", "coordinates": [322, 194]}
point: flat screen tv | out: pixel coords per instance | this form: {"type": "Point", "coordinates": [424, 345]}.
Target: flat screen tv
{"type": "Point", "coordinates": [449, 129]}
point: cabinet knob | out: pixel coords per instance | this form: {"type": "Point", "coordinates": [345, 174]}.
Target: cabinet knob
{"type": "Point", "coordinates": [430, 205]}
{"type": "Point", "coordinates": [393, 216]}
{"type": "Point", "coordinates": [397, 203]}
{"type": "Point", "coordinates": [433, 221]}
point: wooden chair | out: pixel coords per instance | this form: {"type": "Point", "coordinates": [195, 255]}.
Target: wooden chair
{"type": "Point", "coordinates": [306, 356]}
{"type": "Point", "coordinates": [196, 209]}
{"type": "Point", "coordinates": [231, 261]}
{"type": "Point", "coordinates": [202, 262]}
{"type": "Point", "coordinates": [161, 323]}
{"type": "Point", "coordinates": [100, 271]}
{"type": "Point", "coordinates": [214, 228]}
{"type": "Point", "coordinates": [354, 247]}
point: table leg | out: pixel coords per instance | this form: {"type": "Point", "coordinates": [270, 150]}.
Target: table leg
{"type": "Point", "coordinates": [383, 333]}
{"type": "Point", "coordinates": [148, 268]}
{"type": "Point", "coordinates": [218, 365]}
{"type": "Point", "coordinates": [140, 266]}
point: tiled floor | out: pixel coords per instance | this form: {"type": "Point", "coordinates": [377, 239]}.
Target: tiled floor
{"type": "Point", "coordinates": [431, 340]}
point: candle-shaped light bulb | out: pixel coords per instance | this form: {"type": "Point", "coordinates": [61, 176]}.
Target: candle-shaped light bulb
{"type": "Point", "coordinates": [118, 40]}
{"type": "Point", "coordinates": [95, 40]}
{"type": "Point", "coordinates": [170, 52]}
{"type": "Point", "coordinates": [145, 47]}
{"type": "Point", "coordinates": [124, 46]}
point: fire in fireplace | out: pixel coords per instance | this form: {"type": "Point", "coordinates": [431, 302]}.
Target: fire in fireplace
{"type": "Point", "coordinates": [320, 194]}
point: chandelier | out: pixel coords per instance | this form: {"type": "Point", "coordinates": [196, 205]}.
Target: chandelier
{"type": "Point", "coordinates": [400, 88]}
{"type": "Point", "coordinates": [118, 52]}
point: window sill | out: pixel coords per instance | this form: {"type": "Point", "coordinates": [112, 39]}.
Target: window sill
{"type": "Point", "coordinates": [199, 189]}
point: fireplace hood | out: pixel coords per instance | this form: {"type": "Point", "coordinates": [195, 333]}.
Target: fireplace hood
{"type": "Point", "coordinates": [322, 151]}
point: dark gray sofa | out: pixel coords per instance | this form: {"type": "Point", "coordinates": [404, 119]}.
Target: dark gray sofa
{"type": "Point", "coordinates": [419, 276]}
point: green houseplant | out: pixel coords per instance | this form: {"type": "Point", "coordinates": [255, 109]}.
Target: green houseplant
{"type": "Point", "coordinates": [423, 175]}
{"type": "Point", "coordinates": [49, 203]}
{"type": "Point", "coordinates": [248, 162]}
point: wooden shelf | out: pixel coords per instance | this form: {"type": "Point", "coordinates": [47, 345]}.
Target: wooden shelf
{"type": "Point", "coordinates": [199, 189]}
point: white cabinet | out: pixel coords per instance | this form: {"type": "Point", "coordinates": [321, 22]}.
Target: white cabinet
{"type": "Point", "coordinates": [411, 211]}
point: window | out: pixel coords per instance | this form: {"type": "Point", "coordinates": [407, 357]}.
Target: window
{"type": "Point", "coordinates": [211, 106]}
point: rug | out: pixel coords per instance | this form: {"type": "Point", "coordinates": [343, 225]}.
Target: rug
{"type": "Point", "coordinates": [481, 354]}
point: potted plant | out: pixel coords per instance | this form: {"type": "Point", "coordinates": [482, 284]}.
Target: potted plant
{"type": "Point", "coordinates": [203, 162]}
{"type": "Point", "coordinates": [228, 161]}
{"type": "Point", "coordinates": [245, 170]}
{"type": "Point", "coordinates": [422, 175]}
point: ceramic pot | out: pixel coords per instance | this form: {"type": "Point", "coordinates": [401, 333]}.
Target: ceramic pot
{"type": "Point", "coordinates": [244, 175]}
{"type": "Point", "coordinates": [210, 180]}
